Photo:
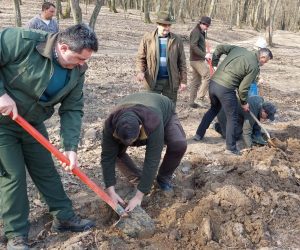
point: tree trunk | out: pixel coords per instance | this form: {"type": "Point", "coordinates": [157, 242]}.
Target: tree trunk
{"type": "Point", "coordinates": [270, 19]}
{"type": "Point", "coordinates": [256, 13]}
{"type": "Point", "coordinates": [76, 11]}
{"type": "Point", "coordinates": [181, 11]}
{"type": "Point", "coordinates": [113, 6]}
{"type": "Point", "coordinates": [146, 12]}
{"type": "Point", "coordinates": [58, 10]}
{"type": "Point", "coordinates": [158, 6]}
{"type": "Point", "coordinates": [18, 19]}
{"type": "Point", "coordinates": [231, 11]}
{"type": "Point", "coordinates": [211, 8]}
{"type": "Point", "coordinates": [170, 8]}
{"type": "Point", "coordinates": [96, 11]}
{"type": "Point", "coordinates": [67, 12]}
{"type": "Point", "coordinates": [238, 10]}
{"type": "Point", "coordinates": [245, 10]}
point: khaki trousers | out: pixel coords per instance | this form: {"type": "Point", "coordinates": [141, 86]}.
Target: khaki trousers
{"type": "Point", "coordinates": [200, 78]}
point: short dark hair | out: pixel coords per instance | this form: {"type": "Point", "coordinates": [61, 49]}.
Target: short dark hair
{"type": "Point", "coordinates": [266, 52]}
{"type": "Point", "coordinates": [47, 5]}
{"type": "Point", "coordinates": [79, 37]}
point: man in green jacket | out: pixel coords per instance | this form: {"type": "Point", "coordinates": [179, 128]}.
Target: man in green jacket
{"type": "Point", "coordinates": [142, 119]}
{"type": "Point", "coordinates": [245, 127]}
{"type": "Point", "coordinates": [161, 63]}
{"type": "Point", "coordinates": [236, 72]}
{"type": "Point", "coordinates": [198, 57]}
{"type": "Point", "coordinates": [37, 71]}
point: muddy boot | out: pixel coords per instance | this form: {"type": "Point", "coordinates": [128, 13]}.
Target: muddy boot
{"type": "Point", "coordinates": [18, 243]}
{"type": "Point", "coordinates": [74, 224]}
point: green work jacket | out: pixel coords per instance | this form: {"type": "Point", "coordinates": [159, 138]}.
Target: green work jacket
{"type": "Point", "coordinates": [154, 112]}
{"type": "Point", "coordinates": [26, 67]}
{"type": "Point", "coordinates": [237, 71]}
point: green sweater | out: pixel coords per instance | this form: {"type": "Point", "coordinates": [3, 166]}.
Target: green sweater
{"type": "Point", "coordinates": [237, 71]}
{"type": "Point", "coordinates": [26, 67]}
{"type": "Point", "coordinates": [154, 111]}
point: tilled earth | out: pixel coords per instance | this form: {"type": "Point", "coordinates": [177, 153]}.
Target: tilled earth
{"type": "Point", "coordinates": [220, 202]}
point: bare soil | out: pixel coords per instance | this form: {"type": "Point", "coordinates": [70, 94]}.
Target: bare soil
{"type": "Point", "coordinates": [220, 202]}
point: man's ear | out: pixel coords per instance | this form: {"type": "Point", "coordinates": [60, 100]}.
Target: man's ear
{"type": "Point", "coordinates": [63, 47]}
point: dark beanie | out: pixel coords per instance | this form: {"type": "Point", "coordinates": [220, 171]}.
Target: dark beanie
{"type": "Point", "coordinates": [270, 109]}
{"type": "Point", "coordinates": [205, 20]}
{"type": "Point", "coordinates": [127, 127]}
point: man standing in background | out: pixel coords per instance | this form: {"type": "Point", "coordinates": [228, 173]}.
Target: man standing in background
{"type": "Point", "coordinates": [198, 55]}
{"type": "Point", "coordinates": [161, 61]}
{"type": "Point", "coordinates": [45, 21]}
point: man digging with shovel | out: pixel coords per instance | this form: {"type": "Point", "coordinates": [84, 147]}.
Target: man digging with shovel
{"type": "Point", "coordinates": [142, 119]}
{"type": "Point", "coordinates": [37, 71]}
{"type": "Point", "coordinates": [260, 109]}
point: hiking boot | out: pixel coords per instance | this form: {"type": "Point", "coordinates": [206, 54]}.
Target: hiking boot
{"type": "Point", "coordinates": [18, 243]}
{"type": "Point", "coordinates": [165, 186]}
{"type": "Point", "coordinates": [258, 140]}
{"type": "Point", "coordinates": [232, 152]}
{"type": "Point", "coordinates": [194, 105]}
{"type": "Point", "coordinates": [74, 224]}
{"type": "Point", "coordinates": [197, 138]}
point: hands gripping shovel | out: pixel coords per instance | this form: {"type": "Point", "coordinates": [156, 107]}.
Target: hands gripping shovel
{"type": "Point", "coordinates": [138, 222]}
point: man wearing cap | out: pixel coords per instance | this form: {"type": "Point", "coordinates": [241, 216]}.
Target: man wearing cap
{"type": "Point", "coordinates": [261, 109]}
{"type": "Point", "coordinates": [198, 57]}
{"type": "Point", "coordinates": [235, 73]}
{"type": "Point", "coordinates": [142, 119]}
{"type": "Point", "coordinates": [161, 63]}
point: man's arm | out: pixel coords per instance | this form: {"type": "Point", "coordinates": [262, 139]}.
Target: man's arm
{"type": "Point", "coordinates": [141, 61]}
{"type": "Point", "coordinates": [219, 51]}
{"type": "Point", "coordinates": [182, 64]}
{"type": "Point", "coordinates": [194, 40]}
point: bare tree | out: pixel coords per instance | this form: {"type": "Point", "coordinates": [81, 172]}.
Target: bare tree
{"type": "Point", "coordinates": [112, 6]}
{"type": "Point", "coordinates": [170, 8]}
{"type": "Point", "coordinates": [146, 12]}
{"type": "Point", "coordinates": [211, 8]}
{"type": "Point", "coordinates": [76, 11]}
{"type": "Point", "coordinates": [181, 11]}
{"type": "Point", "coordinates": [18, 19]}
{"type": "Point", "coordinates": [231, 14]}
{"type": "Point", "coordinates": [271, 7]}
{"type": "Point", "coordinates": [158, 6]}
{"type": "Point", "coordinates": [99, 4]}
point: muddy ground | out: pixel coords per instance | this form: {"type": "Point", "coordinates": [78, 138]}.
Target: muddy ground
{"type": "Point", "coordinates": [220, 202]}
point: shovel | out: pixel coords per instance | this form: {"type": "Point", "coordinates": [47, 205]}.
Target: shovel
{"type": "Point", "coordinates": [273, 142]}
{"type": "Point", "coordinates": [61, 157]}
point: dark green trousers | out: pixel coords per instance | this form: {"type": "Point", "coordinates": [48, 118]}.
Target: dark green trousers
{"type": "Point", "coordinates": [18, 150]}
{"type": "Point", "coordinates": [163, 87]}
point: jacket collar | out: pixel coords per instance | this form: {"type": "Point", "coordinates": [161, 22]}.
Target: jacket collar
{"type": "Point", "coordinates": [171, 36]}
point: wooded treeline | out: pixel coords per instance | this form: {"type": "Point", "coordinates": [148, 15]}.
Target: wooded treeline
{"type": "Point", "coordinates": [259, 14]}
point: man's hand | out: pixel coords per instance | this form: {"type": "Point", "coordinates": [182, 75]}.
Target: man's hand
{"type": "Point", "coordinates": [208, 56]}
{"type": "Point", "coordinates": [72, 156]}
{"type": "Point", "coordinates": [182, 87]}
{"type": "Point", "coordinates": [114, 196]}
{"type": "Point", "coordinates": [140, 76]}
{"type": "Point", "coordinates": [8, 105]}
{"type": "Point", "coordinates": [135, 201]}
{"type": "Point", "coordinates": [246, 107]}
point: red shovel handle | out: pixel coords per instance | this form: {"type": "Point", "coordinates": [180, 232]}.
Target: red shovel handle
{"type": "Point", "coordinates": [209, 61]}
{"type": "Point", "coordinates": [61, 157]}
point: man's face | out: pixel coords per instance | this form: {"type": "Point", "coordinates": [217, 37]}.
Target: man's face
{"type": "Point", "coordinates": [163, 29]}
{"type": "Point", "coordinates": [204, 27]}
{"type": "Point", "coordinates": [49, 13]}
{"type": "Point", "coordinates": [263, 115]}
{"type": "Point", "coordinates": [263, 60]}
{"type": "Point", "coordinates": [69, 59]}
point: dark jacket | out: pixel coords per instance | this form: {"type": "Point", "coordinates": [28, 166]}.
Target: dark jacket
{"type": "Point", "coordinates": [25, 70]}
{"type": "Point", "coordinates": [237, 71]}
{"type": "Point", "coordinates": [154, 112]}
{"type": "Point", "coordinates": [148, 60]}
{"type": "Point", "coordinates": [197, 44]}
{"type": "Point", "coordinates": [245, 120]}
